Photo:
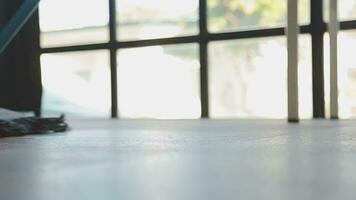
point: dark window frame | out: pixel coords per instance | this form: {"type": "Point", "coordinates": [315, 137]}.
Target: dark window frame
{"type": "Point", "coordinates": [316, 29]}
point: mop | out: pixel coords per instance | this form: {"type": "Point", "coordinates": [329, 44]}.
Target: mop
{"type": "Point", "coordinates": [13, 123]}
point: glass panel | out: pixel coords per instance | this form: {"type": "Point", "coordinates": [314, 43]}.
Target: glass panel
{"type": "Point", "coordinates": [73, 22]}
{"type": "Point", "coordinates": [159, 82]}
{"type": "Point", "coordinates": [248, 78]}
{"type": "Point", "coordinates": [305, 79]}
{"type": "Point", "coordinates": [232, 15]}
{"type": "Point", "coordinates": [146, 19]}
{"type": "Point", "coordinates": [346, 74]}
{"type": "Point", "coordinates": [346, 10]}
{"type": "Point", "coordinates": [76, 83]}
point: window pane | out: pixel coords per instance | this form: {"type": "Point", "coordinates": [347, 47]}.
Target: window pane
{"type": "Point", "coordinates": [76, 83]}
{"type": "Point", "coordinates": [248, 78]}
{"type": "Point", "coordinates": [232, 15]}
{"type": "Point", "coordinates": [305, 79]}
{"type": "Point", "coordinates": [159, 82]}
{"type": "Point", "coordinates": [346, 10]}
{"type": "Point", "coordinates": [146, 19]}
{"type": "Point", "coordinates": [72, 22]}
{"type": "Point", "coordinates": [346, 74]}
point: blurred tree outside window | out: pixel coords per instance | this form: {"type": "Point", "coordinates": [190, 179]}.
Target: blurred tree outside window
{"type": "Point", "coordinates": [248, 76]}
{"type": "Point", "coordinates": [237, 15]}
{"type": "Point", "coordinates": [148, 19]}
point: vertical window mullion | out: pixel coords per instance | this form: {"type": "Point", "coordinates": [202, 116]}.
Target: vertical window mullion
{"type": "Point", "coordinates": [204, 90]}
{"type": "Point", "coordinates": [317, 32]}
{"type": "Point", "coordinates": [113, 60]}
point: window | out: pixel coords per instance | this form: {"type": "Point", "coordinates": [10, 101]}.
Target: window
{"type": "Point", "coordinates": [346, 10]}
{"type": "Point", "coordinates": [169, 59]}
{"type": "Point", "coordinates": [76, 83]}
{"type": "Point", "coordinates": [248, 15]}
{"type": "Point", "coordinates": [159, 82]}
{"type": "Point", "coordinates": [248, 78]}
{"type": "Point", "coordinates": [147, 19]}
{"type": "Point", "coordinates": [346, 74]}
{"type": "Point", "coordinates": [63, 25]}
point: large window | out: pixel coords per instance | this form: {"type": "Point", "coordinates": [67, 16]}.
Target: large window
{"type": "Point", "coordinates": [170, 59]}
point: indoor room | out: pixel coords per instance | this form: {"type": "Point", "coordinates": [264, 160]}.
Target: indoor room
{"type": "Point", "coordinates": [177, 99]}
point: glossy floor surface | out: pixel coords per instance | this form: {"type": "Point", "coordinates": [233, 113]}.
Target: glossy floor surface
{"type": "Point", "coordinates": [171, 160]}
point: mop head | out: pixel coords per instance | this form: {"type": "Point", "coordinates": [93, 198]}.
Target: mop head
{"type": "Point", "coordinates": [31, 125]}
